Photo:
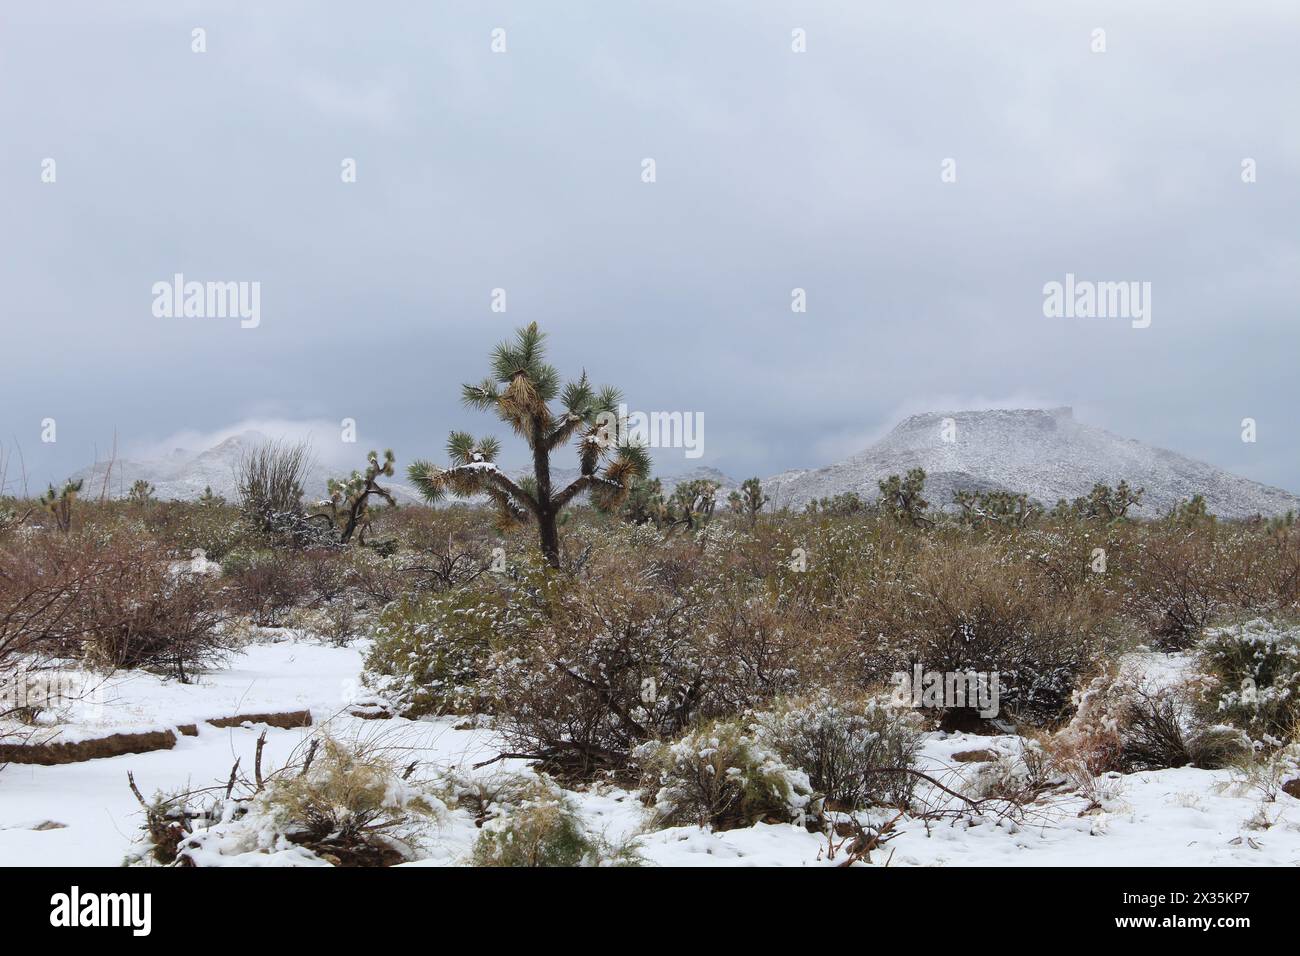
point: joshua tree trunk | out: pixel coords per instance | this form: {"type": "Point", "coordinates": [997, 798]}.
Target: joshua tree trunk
{"type": "Point", "coordinates": [546, 526]}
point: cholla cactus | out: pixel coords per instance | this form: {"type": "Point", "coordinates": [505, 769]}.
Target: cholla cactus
{"type": "Point", "coordinates": [520, 389]}
{"type": "Point", "coordinates": [59, 503]}
{"type": "Point", "coordinates": [349, 497]}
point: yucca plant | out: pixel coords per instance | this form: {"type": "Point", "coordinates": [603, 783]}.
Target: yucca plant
{"type": "Point", "coordinates": [59, 503]}
{"type": "Point", "coordinates": [520, 390]}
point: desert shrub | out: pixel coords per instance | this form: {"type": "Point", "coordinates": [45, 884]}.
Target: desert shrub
{"type": "Point", "coordinates": [1128, 722]}
{"type": "Point", "coordinates": [378, 578]}
{"type": "Point", "coordinates": [147, 615]}
{"type": "Point", "coordinates": [326, 573]}
{"type": "Point", "coordinates": [540, 828]}
{"type": "Point", "coordinates": [430, 652]}
{"type": "Point", "coordinates": [348, 795]}
{"type": "Point", "coordinates": [1183, 578]}
{"type": "Point", "coordinates": [619, 658]}
{"type": "Point", "coordinates": [722, 776]}
{"type": "Point", "coordinates": [966, 606]}
{"type": "Point", "coordinates": [263, 584]}
{"type": "Point", "coordinates": [1253, 672]}
{"type": "Point", "coordinates": [847, 746]}
{"type": "Point", "coordinates": [185, 526]}
{"type": "Point", "coordinates": [270, 479]}
{"type": "Point", "coordinates": [345, 803]}
{"type": "Point", "coordinates": [114, 600]}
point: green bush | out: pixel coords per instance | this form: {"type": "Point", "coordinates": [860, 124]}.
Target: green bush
{"type": "Point", "coordinates": [1254, 678]}
{"type": "Point", "coordinates": [543, 829]}
{"type": "Point", "coordinates": [429, 653]}
{"type": "Point", "coordinates": [721, 776]}
{"type": "Point", "coordinates": [850, 747]}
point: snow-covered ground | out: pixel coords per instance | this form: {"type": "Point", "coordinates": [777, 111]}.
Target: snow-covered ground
{"type": "Point", "coordinates": [84, 814]}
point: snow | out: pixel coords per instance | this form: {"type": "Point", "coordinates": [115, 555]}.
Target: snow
{"type": "Point", "coordinates": [1045, 453]}
{"type": "Point", "coordinates": [84, 814]}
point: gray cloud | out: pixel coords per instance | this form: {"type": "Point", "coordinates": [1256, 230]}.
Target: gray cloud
{"type": "Point", "coordinates": [775, 170]}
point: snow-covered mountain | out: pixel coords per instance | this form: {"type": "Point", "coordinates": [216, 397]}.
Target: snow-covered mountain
{"type": "Point", "coordinates": [1043, 452]}
{"type": "Point", "coordinates": [184, 474]}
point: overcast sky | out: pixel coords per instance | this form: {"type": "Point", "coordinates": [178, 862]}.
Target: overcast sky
{"type": "Point", "coordinates": [774, 170]}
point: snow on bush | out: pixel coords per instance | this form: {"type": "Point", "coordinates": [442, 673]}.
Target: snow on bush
{"type": "Point", "coordinates": [428, 653]}
{"type": "Point", "coordinates": [721, 776]}
{"type": "Point", "coordinates": [349, 804]}
{"type": "Point", "coordinates": [535, 823]}
{"type": "Point", "coordinates": [1254, 678]}
{"type": "Point", "coordinates": [850, 747]}
{"type": "Point", "coordinates": [1129, 721]}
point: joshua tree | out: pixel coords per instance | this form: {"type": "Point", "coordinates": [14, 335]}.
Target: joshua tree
{"type": "Point", "coordinates": [749, 500]}
{"type": "Point", "coordinates": [520, 389]}
{"type": "Point", "coordinates": [141, 493]}
{"type": "Point", "coordinates": [900, 498]}
{"type": "Point", "coordinates": [349, 497]}
{"type": "Point", "coordinates": [980, 508]}
{"type": "Point", "coordinates": [59, 503]}
{"type": "Point", "coordinates": [645, 503]}
{"type": "Point", "coordinates": [1103, 503]}
{"type": "Point", "coordinates": [692, 503]}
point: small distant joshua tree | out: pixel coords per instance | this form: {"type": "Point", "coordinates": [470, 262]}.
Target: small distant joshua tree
{"type": "Point", "coordinates": [350, 497]}
{"type": "Point", "coordinates": [520, 391]}
{"type": "Point", "coordinates": [900, 498]}
{"type": "Point", "coordinates": [1103, 503]}
{"type": "Point", "coordinates": [692, 503]}
{"type": "Point", "coordinates": [749, 500]}
{"type": "Point", "coordinates": [141, 493]}
{"type": "Point", "coordinates": [210, 499]}
{"type": "Point", "coordinates": [979, 508]}
{"type": "Point", "coordinates": [59, 503]}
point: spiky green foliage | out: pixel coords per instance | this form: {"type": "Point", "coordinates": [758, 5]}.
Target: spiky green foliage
{"type": "Point", "coordinates": [349, 500]}
{"type": "Point", "coordinates": [749, 500]}
{"type": "Point", "coordinates": [901, 498]}
{"type": "Point", "coordinates": [1103, 503]}
{"type": "Point", "coordinates": [521, 390]}
{"type": "Point", "coordinates": [645, 503]}
{"type": "Point", "coordinates": [1192, 512]}
{"type": "Point", "coordinates": [981, 508]}
{"type": "Point", "coordinates": [141, 493]}
{"type": "Point", "coordinates": [842, 505]}
{"type": "Point", "coordinates": [692, 503]}
{"type": "Point", "coordinates": [59, 503]}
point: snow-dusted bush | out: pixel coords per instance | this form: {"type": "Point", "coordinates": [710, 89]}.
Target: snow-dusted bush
{"type": "Point", "coordinates": [1128, 721]}
{"type": "Point", "coordinates": [532, 822]}
{"type": "Point", "coordinates": [619, 658]}
{"type": "Point", "coordinates": [1254, 678]}
{"type": "Point", "coordinates": [723, 776]}
{"type": "Point", "coordinates": [348, 804]}
{"type": "Point", "coordinates": [976, 606]}
{"type": "Point", "coordinates": [264, 584]}
{"type": "Point", "coordinates": [852, 748]}
{"type": "Point", "coordinates": [113, 600]}
{"type": "Point", "coordinates": [1181, 579]}
{"type": "Point", "coordinates": [429, 653]}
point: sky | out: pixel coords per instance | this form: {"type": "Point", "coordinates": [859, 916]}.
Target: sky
{"type": "Point", "coordinates": [829, 170]}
